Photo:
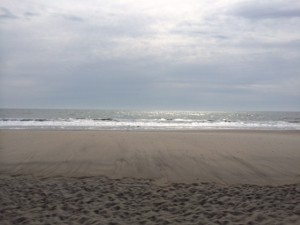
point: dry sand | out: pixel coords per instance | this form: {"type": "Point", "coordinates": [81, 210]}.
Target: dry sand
{"type": "Point", "coordinates": [192, 177]}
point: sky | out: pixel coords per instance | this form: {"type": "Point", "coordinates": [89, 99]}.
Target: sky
{"type": "Point", "coordinates": [158, 54]}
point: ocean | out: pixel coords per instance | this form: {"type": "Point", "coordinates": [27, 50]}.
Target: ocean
{"type": "Point", "coordinates": [71, 119]}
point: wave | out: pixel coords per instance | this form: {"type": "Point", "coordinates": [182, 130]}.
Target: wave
{"type": "Point", "coordinates": [104, 119]}
{"type": "Point", "coordinates": [60, 119]}
{"type": "Point", "coordinates": [142, 124]}
{"type": "Point", "coordinates": [25, 120]}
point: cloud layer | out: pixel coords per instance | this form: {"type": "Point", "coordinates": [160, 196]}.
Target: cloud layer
{"type": "Point", "coordinates": [222, 55]}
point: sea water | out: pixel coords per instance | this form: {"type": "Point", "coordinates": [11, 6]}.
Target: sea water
{"type": "Point", "coordinates": [74, 119]}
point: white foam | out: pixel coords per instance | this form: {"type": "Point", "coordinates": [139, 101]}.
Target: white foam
{"type": "Point", "coordinates": [161, 124]}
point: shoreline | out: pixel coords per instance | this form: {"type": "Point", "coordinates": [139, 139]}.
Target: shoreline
{"type": "Point", "coordinates": [233, 131]}
{"type": "Point", "coordinates": [224, 157]}
{"type": "Point", "coordinates": [154, 130]}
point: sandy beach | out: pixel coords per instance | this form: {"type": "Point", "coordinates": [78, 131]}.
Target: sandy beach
{"type": "Point", "coordinates": [150, 177]}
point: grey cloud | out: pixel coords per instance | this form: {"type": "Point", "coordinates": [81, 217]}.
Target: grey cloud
{"type": "Point", "coordinates": [128, 83]}
{"type": "Point", "coordinates": [266, 10]}
{"type": "Point", "coordinates": [7, 14]}
{"type": "Point", "coordinates": [293, 46]}
{"type": "Point", "coordinates": [218, 36]}
{"type": "Point", "coordinates": [198, 30]}
{"type": "Point", "coordinates": [126, 25]}
{"type": "Point", "coordinates": [74, 18]}
{"type": "Point", "coordinates": [30, 14]}
{"type": "Point", "coordinates": [107, 26]}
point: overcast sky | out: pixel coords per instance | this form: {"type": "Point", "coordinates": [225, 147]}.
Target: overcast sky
{"type": "Point", "coordinates": [158, 54]}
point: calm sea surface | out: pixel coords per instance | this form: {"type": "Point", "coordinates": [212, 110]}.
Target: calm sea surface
{"type": "Point", "coordinates": [145, 120]}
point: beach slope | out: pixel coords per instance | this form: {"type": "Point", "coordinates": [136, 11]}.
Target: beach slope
{"type": "Point", "coordinates": [225, 157]}
{"type": "Point", "coordinates": [114, 177]}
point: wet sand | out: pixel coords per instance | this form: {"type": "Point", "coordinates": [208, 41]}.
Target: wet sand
{"type": "Point", "coordinates": [114, 177]}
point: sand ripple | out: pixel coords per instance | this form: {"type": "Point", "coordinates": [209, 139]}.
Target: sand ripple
{"type": "Point", "coordinates": [99, 200]}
